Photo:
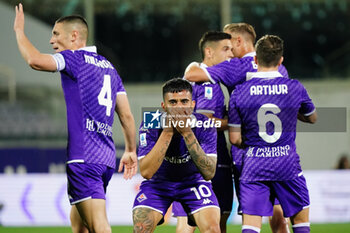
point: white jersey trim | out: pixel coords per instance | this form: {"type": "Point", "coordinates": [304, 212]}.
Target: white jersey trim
{"type": "Point", "coordinates": [267, 75]}
{"type": "Point", "coordinates": [140, 157]}
{"type": "Point", "coordinates": [205, 207]}
{"type": "Point", "coordinates": [205, 111]}
{"type": "Point", "coordinates": [212, 155]}
{"type": "Point", "coordinates": [84, 199]}
{"type": "Point", "coordinates": [121, 93]}
{"type": "Point", "coordinates": [251, 54]}
{"type": "Point", "coordinates": [76, 161]}
{"type": "Point", "coordinates": [145, 206]}
{"type": "Point", "coordinates": [235, 125]}
{"type": "Point", "coordinates": [60, 62]}
{"type": "Point", "coordinates": [247, 227]}
{"type": "Point", "coordinates": [310, 113]}
{"type": "Point", "coordinates": [91, 49]}
{"type": "Point", "coordinates": [208, 75]}
{"type": "Point", "coordinates": [304, 224]}
{"type": "Point", "coordinates": [300, 174]}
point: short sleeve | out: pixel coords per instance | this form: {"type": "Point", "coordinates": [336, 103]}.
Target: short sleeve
{"type": "Point", "coordinates": [72, 62]}
{"type": "Point", "coordinates": [306, 107]}
{"type": "Point", "coordinates": [147, 140]}
{"type": "Point", "coordinates": [208, 141]}
{"type": "Point", "coordinates": [206, 98]}
{"type": "Point", "coordinates": [219, 73]}
{"type": "Point", "coordinates": [120, 86]}
{"type": "Point", "coordinates": [234, 119]}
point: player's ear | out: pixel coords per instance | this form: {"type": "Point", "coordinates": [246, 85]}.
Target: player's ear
{"type": "Point", "coordinates": [74, 35]}
{"type": "Point", "coordinates": [280, 61]}
{"type": "Point", "coordinates": [255, 60]}
{"type": "Point", "coordinates": [193, 104]}
{"type": "Point", "coordinates": [207, 52]}
{"type": "Point", "coordinates": [163, 105]}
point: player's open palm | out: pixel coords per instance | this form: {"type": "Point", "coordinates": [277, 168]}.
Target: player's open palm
{"type": "Point", "coordinates": [19, 20]}
{"type": "Point", "coordinates": [129, 163]}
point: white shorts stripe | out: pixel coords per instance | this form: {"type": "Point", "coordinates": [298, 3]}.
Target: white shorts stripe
{"type": "Point", "coordinates": [247, 227]}
{"type": "Point", "coordinates": [304, 224]}
{"type": "Point", "coordinates": [84, 199]}
{"type": "Point", "coordinates": [76, 161]}
{"type": "Point", "coordinates": [205, 207]}
{"type": "Point", "coordinates": [145, 206]}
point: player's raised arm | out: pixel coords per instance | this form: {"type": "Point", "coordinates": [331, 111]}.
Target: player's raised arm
{"type": "Point", "coordinates": [150, 164]}
{"type": "Point", "coordinates": [31, 55]}
{"type": "Point", "coordinates": [129, 158]}
{"type": "Point", "coordinates": [194, 73]}
{"type": "Point", "coordinates": [205, 164]}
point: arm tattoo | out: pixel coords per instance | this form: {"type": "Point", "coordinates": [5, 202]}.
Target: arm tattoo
{"type": "Point", "coordinates": [206, 165]}
{"type": "Point", "coordinates": [143, 220]}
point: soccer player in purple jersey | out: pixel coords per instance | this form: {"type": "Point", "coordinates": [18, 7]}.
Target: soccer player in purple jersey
{"type": "Point", "coordinates": [93, 90]}
{"type": "Point", "coordinates": [215, 47]}
{"type": "Point", "coordinates": [177, 161]}
{"type": "Point", "coordinates": [232, 73]}
{"type": "Point", "coordinates": [263, 115]}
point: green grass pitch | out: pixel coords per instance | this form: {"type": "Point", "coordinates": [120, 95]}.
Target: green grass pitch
{"type": "Point", "coordinates": [315, 228]}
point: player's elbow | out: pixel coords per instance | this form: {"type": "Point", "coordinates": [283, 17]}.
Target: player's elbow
{"type": "Point", "coordinates": [32, 62]}
{"type": "Point", "coordinates": [146, 174]}
{"type": "Point", "coordinates": [236, 141]}
{"type": "Point", "coordinates": [209, 176]}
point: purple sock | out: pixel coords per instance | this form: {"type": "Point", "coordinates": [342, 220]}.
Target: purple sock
{"type": "Point", "coordinates": [301, 228]}
{"type": "Point", "coordinates": [250, 229]}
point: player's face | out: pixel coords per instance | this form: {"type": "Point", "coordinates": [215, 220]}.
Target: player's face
{"type": "Point", "coordinates": [60, 39]}
{"type": "Point", "coordinates": [222, 52]}
{"type": "Point", "coordinates": [180, 100]}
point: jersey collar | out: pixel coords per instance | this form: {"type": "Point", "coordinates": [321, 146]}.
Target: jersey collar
{"type": "Point", "coordinates": [264, 75]}
{"type": "Point", "coordinates": [91, 49]}
{"type": "Point", "coordinates": [251, 54]}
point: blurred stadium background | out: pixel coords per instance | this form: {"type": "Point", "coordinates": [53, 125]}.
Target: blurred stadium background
{"type": "Point", "coordinates": [151, 41]}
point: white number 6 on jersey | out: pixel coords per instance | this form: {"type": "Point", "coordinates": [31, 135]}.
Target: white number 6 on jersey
{"type": "Point", "coordinates": [264, 117]}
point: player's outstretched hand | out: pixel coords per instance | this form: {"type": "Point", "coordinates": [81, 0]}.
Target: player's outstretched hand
{"type": "Point", "coordinates": [129, 163]}
{"type": "Point", "coordinates": [19, 20]}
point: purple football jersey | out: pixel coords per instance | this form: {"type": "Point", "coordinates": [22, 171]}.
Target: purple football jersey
{"type": "Point", "coordinates": [266, 108]}
{"type": "Point", "coordinates": [177, 164]}
{"type": "Point", "coordinates": [90, 84]}
{"type": "Point", "coordinates": [210, 99]}
{"type": "Point", "coordinates": [234, 71]}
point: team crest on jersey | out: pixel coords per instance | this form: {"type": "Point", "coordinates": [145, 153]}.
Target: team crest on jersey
{"type": "Point", "coordinates": [141, 197]}
{"type": "Point", "coordinates": [143, 140]}
{"type": "Point", "coordinates": [208, 93]}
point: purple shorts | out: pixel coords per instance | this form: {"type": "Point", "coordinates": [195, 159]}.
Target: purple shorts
{"type": "Point", "coordinates": [178, 210]}
{"type": "Point", "coordinates": [159, 195]}
{"type": "Point", "coordinates": [87, 181]}
{"type": "Point", "coordinates": [258, 198]}
{"type": "Point", "coordinates": [222, 184]}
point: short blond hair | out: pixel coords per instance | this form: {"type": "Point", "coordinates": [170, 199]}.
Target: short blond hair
{"type": "Point", "coordinates": [242, 28]}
